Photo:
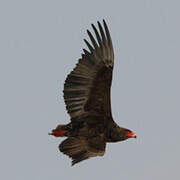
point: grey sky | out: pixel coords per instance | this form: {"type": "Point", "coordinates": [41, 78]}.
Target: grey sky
{"type": "Point", "coordinates": [40, 42]}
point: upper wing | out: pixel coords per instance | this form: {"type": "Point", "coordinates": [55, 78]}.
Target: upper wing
{"type": "Point", "coordinates": [80, 148]}
{"type": "Point", "coordinates": [87, 87]}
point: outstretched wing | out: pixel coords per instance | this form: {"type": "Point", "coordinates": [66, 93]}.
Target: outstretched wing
{"type": "Point", "coordinates": [87, 87]}
{"type": "Point", "coordinates": [80, 148]}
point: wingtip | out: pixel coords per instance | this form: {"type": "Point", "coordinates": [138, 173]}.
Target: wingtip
{"type": "Point", "coordinates": [93, 26]}
{"type": "Point", "coordinates": [104, 21]}
{"type": "Point", "coordinates": [98, 23]}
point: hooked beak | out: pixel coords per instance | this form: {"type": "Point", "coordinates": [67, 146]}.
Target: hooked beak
{"type": "Point", "coordinates": [134, 136]}
{"type": "Point", "coordinates": [130, 134]}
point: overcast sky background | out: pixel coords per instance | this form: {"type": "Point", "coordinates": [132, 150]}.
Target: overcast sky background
{"type": "Point", "coordinates": [41, 41]}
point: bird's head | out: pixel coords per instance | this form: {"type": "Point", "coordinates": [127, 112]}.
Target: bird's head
{"type": "Point", "coordinates": [121, 134]}
{"type": "Point", "coordinates": [129, 134]}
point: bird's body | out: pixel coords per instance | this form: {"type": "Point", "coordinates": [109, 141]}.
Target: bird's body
{"type": "Point", "coordinates": [87, 99]}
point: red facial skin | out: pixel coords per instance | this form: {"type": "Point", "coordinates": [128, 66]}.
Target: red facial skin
{"type": "Point", "coordinates": [130, 134]}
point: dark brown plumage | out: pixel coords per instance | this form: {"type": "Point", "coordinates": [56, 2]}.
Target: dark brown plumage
{"type": "Point", "coordinates": [87, 98]}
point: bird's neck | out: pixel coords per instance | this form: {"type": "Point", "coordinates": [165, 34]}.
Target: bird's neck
{"type": "Point", "coordinates": [114, 134]}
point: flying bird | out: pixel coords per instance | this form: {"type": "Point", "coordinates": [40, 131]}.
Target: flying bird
{"type": "Point", "coordinates": [88, 102]}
